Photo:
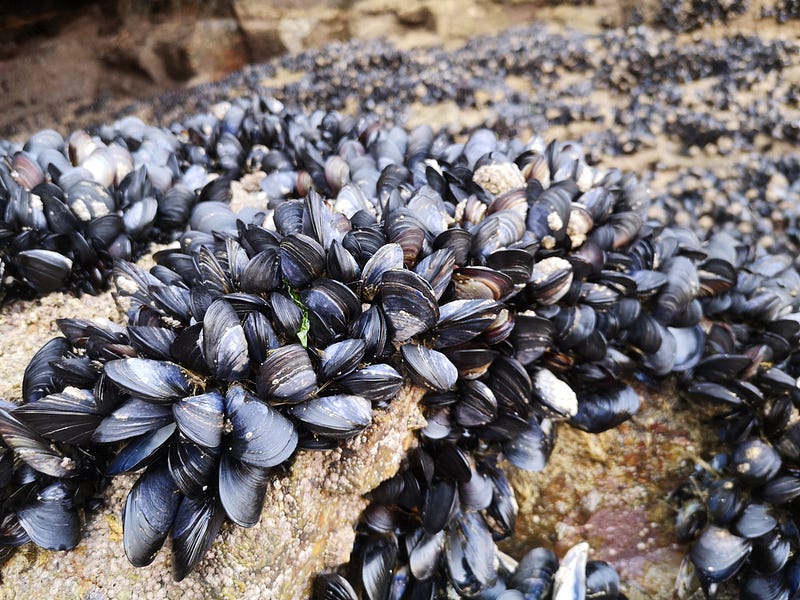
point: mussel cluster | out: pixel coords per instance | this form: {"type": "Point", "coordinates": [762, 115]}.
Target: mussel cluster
{"type": "Point", "coordinates": [490, 273]}
{"type": "Point", "coordinates": [741, 508]}
{"type": "Point", "coordinates": [758, 201]}
{"type": "Point", "coordinates": [783, 10]}
{"type": "Point", "coordinates": [679, 15]}
{"type": "Point", "coordinates": [70, 208]}
{"type": "Point", "coordinates": [520, 286]}
{"type": "Point", "coordinates": [537, 575]}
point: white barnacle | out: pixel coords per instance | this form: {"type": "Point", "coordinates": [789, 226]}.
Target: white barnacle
{"type": "Point", "coordinates": [554, 221]}
{"type": "Point", "coordinates": [556, 393]}
{"type": "Point", "coordinates": [81, 210]}
{"type": "Point", "coordinates": [126, 285]}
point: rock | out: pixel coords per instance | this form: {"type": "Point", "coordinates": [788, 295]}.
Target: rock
{"type": "Point", "coordinates": [215, 48]}
{"type": "Point", "coordinates": [611, 489]}
{"type": "Point", "coordinates": [263, 38]}
{"type": "Point", "coordinates": [277, 26]}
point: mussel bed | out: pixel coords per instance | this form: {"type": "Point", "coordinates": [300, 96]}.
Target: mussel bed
{"type": "Point", "coordinates": [522, 287]}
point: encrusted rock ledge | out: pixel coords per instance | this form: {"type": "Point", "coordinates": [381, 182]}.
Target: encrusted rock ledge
{"type": "Point", "coordinates": [307, 523]}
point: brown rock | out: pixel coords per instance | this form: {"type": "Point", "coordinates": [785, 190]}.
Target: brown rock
{"type": "Point", "coordinates": [278, 26]}
{"type": "Point", "coordinates": [612, 490]}
{"type": "Point", "coordinates": [215, 48]}
{"type": "Point", "coordinates": [263, 39]}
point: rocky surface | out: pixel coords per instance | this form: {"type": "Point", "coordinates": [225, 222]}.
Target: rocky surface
{"type": "Point", "coordinates": [612, 490]}
{"type": "Point", "coordinates": [647, 100]}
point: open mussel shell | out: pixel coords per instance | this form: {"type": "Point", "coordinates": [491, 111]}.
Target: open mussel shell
{"type": "Point", "coordinates": [569, 580]}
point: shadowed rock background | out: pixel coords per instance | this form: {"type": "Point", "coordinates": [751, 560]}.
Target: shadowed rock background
{"type": "Point", "coordinates": [83, 63]}
{"type": "Point", "coordinates": [71, 63]}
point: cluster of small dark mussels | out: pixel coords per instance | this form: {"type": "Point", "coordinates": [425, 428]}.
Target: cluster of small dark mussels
{"type": "Point", "coordinates": [538, 575]}
{"type": "Point", "coordinates": [70, 208]}
{"type": "Point", "coordinates": [741, 509]}
{"type": "Point", "coordinates": [491, 273]}
{"type": "Point", "coordinates": [521, 286]}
